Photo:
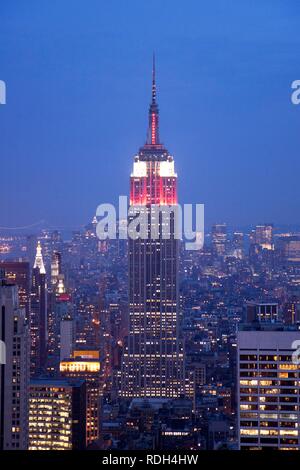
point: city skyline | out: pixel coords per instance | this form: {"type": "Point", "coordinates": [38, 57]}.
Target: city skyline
{"type": "Point", "coordinates": [226, 99]}
{"type": "Point", "coordinates": [149, 268]}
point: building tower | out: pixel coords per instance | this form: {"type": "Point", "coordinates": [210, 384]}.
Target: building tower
{"type": "Point", "coordinates": [57, 410]}
{"type": "Point", "coordinates": [55, 267]}
{"type": "Point", "coordinates": [38, 314]}
{"type": "Point", "coordinates": [152, 364]}
{"type": "Point", "coordinates": [85, 365]}
{"type": "Point", "coordinates": [18, 273]}
{"type": "Point", "coordinates": [14, 369]}
{"type": "Point", "coordinates": [219, 239]}
{"type": "Point", "coordinates": [268, 387]}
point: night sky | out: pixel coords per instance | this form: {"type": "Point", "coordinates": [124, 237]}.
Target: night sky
{"type": "Point", "coordinates": [78, 77]}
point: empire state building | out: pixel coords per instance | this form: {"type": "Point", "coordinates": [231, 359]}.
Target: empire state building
{"type": "Point", "coordinates": [153, 364]}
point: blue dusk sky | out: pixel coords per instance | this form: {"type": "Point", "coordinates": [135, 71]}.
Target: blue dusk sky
{"type": "Point", "coordinates": [78, 78]}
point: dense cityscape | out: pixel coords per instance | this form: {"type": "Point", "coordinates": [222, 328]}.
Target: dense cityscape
{"type": "Point", "coordinates": [142, 344]}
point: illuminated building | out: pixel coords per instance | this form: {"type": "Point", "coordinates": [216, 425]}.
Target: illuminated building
{"type": "Point", "coordinates": [38, 314]}
{"type": "Point", "coordinates": [14, 376]}
{"type": "Point", "coordinates": [159, 423]}
{"type": "Point", "coordinates": [219, 239]}
{"type": "Point", "coordinates": [238, 245]}
{"type": "Point", "coordinates": [86, 365]}
{"type": "Point", "coordinates": [18, 273]}
{"type": "Point", "coordinates": [289, 248]}
{"type": "Point", "coordinates": [268, 388]}
{"type": "Point", "coordinates": [55, 267]}
{"type": "Point", "coordinates": [66, 337]}
{"type": "Point", "coordinates": [152, 364]}
{"type": "Point", "coordinates": [112, 327]}
{"type": "Point", "coordinates": [291, 312]}
{"type": "Point", "coordinates": [59, 308]}
{"type": "Point", "coordinates": [265, 312]}
{"type": "Point", "coordinates": [195, 379]}
{"type": "Point", "coordinates": [262, 237]}
{"type": "Point", "coordinates": [61, 328]}
{"type": "Point", "coordinates": [56, 414]}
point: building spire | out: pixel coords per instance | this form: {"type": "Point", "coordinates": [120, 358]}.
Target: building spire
{"type": "Point", "coordinates": [38, 262]}
{"type": "Point", "coordinates": [153, 81]}
{"type": "Point", "coordinates": [153, 134]}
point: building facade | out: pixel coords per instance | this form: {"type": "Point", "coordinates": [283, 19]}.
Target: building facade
{"type": "Point", "coordinates": [268, 388]}
{"type": "Point", "coordinates": [14, 376]}
{"type": "Point", "coordinates": [57, 414]}
{"type": "Point", "coordinates": [18, 273]}
{"type": "Point", "coordinates": [85, 365]}
{"type": "Point", "coordinates": [38, 315]}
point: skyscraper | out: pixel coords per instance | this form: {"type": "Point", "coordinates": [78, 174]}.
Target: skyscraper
{"type": "Point", "coordinates": [57, 414]}
{"type": "Point", "coordinates": [85, 365]}
{"type": "Point", "coordinates": [261, 239]}
{"type": "Point", "coordinates": [152, 363]}
{"type": "Point", "coordinates": [219, 239]}
{"type": "Point", "coordinates": [268, 388]}
{"type": "Point", "coordinates": [55, 267]}
{"type": "Point", "coordinates": [14, 376]}
{"type": "Point", "coordinates": [18, 273]}
{"type": "Point", "coordinates": [38, 314]}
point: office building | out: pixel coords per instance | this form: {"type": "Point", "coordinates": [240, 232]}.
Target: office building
{"type": "Point", "coordinates": [268, 388]}
{"type": "Point", "coordinates": [219, 239]}
{"type": "Point", "coordinates": [38, 315]}
{"type": "Point", "coordinates": [14, 365]}
{"type": "Point", "coordinates": [261, 312]}
{"type": "Point", "coordinates": [85, 365]}
{"type": "Point", "coordinates": [18, 273]}
{"type": "Point", "coordinates": [57, 414]}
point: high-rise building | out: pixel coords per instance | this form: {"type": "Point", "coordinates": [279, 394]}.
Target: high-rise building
{"type": "Point", "coordinates": [61, 329]}
{"type": "Point", "coordinates": [261, 312]}
{"type": "Point", "coordinates": [55, 267]}
{"type": "Point", "coordinates": [219, 239]}
{"type": "Point", "coordinates": [152, 364]}
{"type": "Point", "coordinates": [38, 314]}
{"type": "Point", "coordinates": [57, 414]}
{"type": "Point", "coordinates": [268, 388]}
{"type": "Point", "coordinates": [291, 311]}
{"type": "Point", "coordinates": [238, 245]}
{"type": "Point", "coordinates": [18, 273]}
{"type": "Point", "coordinates": [288, 247]}
{"type": "Point", "coordinates": [262, 236]}
{"type": "Point", "coordinates": [85, 365]}
{"type": "Point", "coordinates": [66, 337]}
{"type": "Point", "coordinates": [31, 248]}
{"type": "Point", "coordinates": [14, 376]}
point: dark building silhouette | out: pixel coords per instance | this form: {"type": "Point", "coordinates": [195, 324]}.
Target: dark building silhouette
{"type": "Point", "coordinates": [38, 315]}
{"type": "Point", "coordinates": [18, 273]}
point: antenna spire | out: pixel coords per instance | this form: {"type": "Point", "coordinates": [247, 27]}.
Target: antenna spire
{"type": "Point", "coordinates": [153, 81]}
{"type": "Point", "coordinates": [153, 137]}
